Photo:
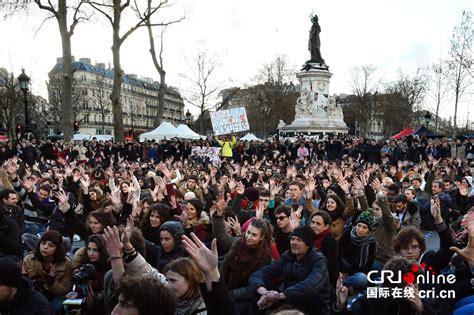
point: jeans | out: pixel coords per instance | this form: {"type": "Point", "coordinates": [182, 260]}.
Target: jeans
{"type": "Point", "coordinates": [358, 281]}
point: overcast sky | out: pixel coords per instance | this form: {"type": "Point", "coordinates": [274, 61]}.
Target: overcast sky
{"type": "Point", "coordinates": [392, 35]}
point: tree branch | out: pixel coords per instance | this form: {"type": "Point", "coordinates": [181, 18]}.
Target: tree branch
{"type": "Point", "coordinates": [96, 6]}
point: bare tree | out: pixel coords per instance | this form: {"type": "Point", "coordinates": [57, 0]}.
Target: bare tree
{"type": "Point", "coordinates": [10, 101]}
{"type": "Point", "coordinates": [202, 89]}
{"type": "Point", "coordinates": [113, 11]}
{"type": "Point", "coordinates": [437, 89]}
{"type": "Point", "coordinates": [461, 60]}
{"type": "Point", "coordinates": [100, 100]}
{"type": "Point", "coordinates": [362, 111]}
{"type": "Point", "coordinates": [158, 61]}
{"type": "Point", "coordinates": [401, 100]}
{"type": "Point", "coordinates": [62, 12]}
{"type": "Point", "coordinates": [79, 103]}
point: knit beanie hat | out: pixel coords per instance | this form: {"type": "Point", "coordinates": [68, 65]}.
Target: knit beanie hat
{"type": "Point", "coordinates": [10, 273]}
{"type": "Point", "coordinates": [306, 234]}
{"type": "Point", "coordinates": [367, 217]}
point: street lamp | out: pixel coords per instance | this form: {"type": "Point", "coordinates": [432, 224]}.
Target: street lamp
{"type": "Point", "coordinates": [24, 85]}
{"type": "Point", "coordinates": [427, 118]}
{"type": "Point", "coordinates": [188, 117]}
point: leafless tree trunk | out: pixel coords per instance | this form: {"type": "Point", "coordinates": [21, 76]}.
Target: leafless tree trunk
{"type": "Point", "coordinates": [113, 10]}
{"type": "Point", "coordinates": [158, 62]}
{"type": "Point", "coordinates": [60, 13]}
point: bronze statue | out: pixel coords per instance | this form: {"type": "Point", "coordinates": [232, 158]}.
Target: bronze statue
{"type": "Point", "coordinates": [314, 43]}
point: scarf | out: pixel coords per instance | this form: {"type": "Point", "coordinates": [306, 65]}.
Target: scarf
{"type": "Point", "coordinates": [362, 242]}
{"type": "Point", "coordinates": [320, 238]}
{"type": "Point", "coordinates": [242, 261]}
{"type": "Point", "coordinates": [190, 306]}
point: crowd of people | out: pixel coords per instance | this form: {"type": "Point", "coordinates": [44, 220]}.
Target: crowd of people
{"type": "Point", "coordinates": [279, 227]}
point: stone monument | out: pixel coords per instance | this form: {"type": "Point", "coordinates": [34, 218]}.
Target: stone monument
{"type": "Point", "coordinates": [315, 111]}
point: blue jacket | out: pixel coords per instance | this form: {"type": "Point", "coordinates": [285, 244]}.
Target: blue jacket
{"type": "Point", "coordinates": [303, 281]}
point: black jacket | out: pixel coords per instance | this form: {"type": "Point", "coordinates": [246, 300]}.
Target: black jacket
{"type": "Point", "coordinates": [9, 237]}
{"type": "Point", "coordinates": [27, 301]}
{"type": "Point", "coordinates": [305, 282]}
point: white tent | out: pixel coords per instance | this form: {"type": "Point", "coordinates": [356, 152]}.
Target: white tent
{"type": "Point", "coordinates": [187, 133]}
{"type": "Point", "coordinates": [250, 137]}
{"type": "Point", "coordinates": [165, 130]}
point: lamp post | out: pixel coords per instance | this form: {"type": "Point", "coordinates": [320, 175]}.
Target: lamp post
{"type": "Point", "coordinates": [427, 119]}
{"type": "Point", "coordinates": [188, 117]}
{"type": "Point", "coordinates": [24, 81]}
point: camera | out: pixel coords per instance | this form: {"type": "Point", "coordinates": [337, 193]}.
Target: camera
{"type": "Point", "coordinates": [83, 274]}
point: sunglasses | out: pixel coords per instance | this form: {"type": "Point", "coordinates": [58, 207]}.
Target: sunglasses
{"type": "Point", "coordinates": [281, 218]}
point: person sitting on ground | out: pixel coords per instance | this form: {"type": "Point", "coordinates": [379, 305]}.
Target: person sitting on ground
{"type": "Point", "coordinates": [302, 271]}
{"type": "Point", "coordinates": [184, 280]}
{"type": "Point", "coordinates": [50, 269]}
{"type": "Point", "coordinates": [326, 243]}
{"type": "Point", "coordinates": [414, 304]}
{"type": "Point", "coordinates": [158, 214]}
{"type": "Point", "coordinates": [143, 296]}
{"type": "Point", "coordinates": [244, 254]}
{"type": "Point", "coordinates": [410, 243]}
{"type": "Point", "coordinates": [357, 248]}
{"type": "Point", "coordinates": [95, 254]}
{"type": "Point", "coordinates": [17, 293]}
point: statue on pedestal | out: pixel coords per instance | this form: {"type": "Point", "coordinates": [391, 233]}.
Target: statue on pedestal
{"type": "Point", "coordinates": [314, 43]}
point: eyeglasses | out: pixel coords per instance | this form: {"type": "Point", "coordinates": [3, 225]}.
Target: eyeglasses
{"type": "Point", "coordinates": [281, 218]}
{"type": "Point", "coordinates": [264, 200]}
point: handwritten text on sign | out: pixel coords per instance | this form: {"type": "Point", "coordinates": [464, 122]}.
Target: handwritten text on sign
{"type": "Point", "coordinates": [229, 121]}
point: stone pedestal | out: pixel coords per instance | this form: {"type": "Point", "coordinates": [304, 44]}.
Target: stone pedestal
{"type": "Point", "coordinates": [315, 112]}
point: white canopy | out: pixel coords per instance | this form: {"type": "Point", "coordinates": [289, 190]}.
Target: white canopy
{"type": "Point", "coordinates": [165, 130]}
{"type": "Point", "coordinates": [250, 137]}
{"type": "Point", "coordinates": [187, 133]}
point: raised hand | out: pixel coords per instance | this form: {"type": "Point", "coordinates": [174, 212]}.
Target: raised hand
{"type": "Point", "coordinates": [344, 185]}
{"type": "Point", "coordinates": [113, 245]}
{"type": "Point", "coordinates": [235, 225]}
{"type": "Point", "coordinates": [295, 218]}
{"type": "Point", "coordinates": [127, 233]}
{"type": "Point", "coordinates": [377, 185]}
{"type": "Point", "coordinates": [341, 293]}
{"type": "Point", "coordinates": [28, 184]}
{"type": "Point", "coordinates": [204, 258]}
{"type": "Point", "coordinates": [468, 252]}
{"type": "Point", "coordinates": [436, 210]}
{"type": "Point", "coordinates": [232, 184]}
{"type": "Point", "coordinates": [358, 185]}
{"type": "Point", "coordinates": [62, 197]}
{"type": "Point", "coordinates": [259, 212]}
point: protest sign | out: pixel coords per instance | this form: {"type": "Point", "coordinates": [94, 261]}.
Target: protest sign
{"type": "Point", "coordinates": [229, 121]}
{"type": "Point", "coordinates": [211, 154]}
